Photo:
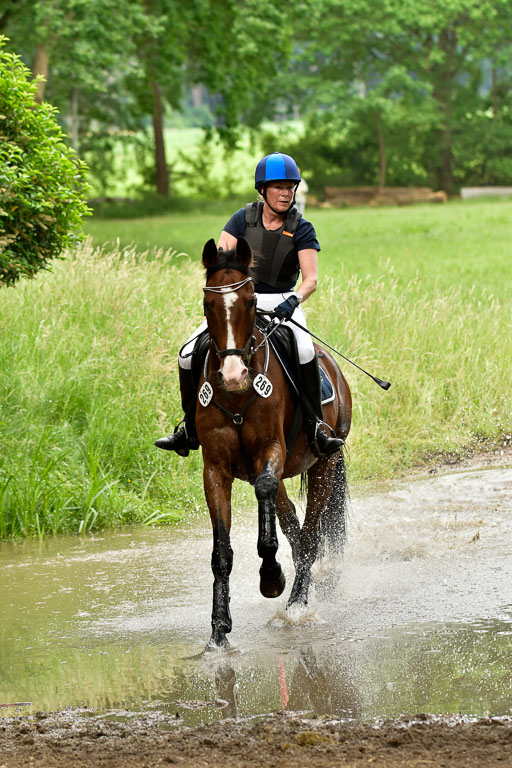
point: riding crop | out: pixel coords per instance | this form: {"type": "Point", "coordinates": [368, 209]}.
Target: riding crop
{"type": "Point", "coordinates": [383, 384]}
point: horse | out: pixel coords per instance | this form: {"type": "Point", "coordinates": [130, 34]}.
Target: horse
{"type": "Point", "coordinates": [244, 413]}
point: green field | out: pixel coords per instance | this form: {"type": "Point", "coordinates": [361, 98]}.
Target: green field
{"type": "Point", "coordinates": [463, 244]}
{"type": "Point", "coordinates": [420, 296]}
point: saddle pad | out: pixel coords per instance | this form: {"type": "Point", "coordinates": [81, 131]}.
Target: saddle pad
{"type": "Point", "coordinates": [327, 388]}
{"type": "Point", "coordinates": [285, 347]}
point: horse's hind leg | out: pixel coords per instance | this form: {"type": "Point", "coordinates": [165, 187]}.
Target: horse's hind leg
{"type": "Point", "coordinates": [272, 578]}
{"type": "Point", "coordinates": [288, 521]}
{"type": "Point", "coordinates": [217, 487]}
{"type": "Point", "coordinates": [320, 480]}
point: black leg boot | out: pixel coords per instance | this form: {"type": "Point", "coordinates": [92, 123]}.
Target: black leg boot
{"type": "Point", "coordinates": [321, 438]}
{"type": "Point", "coordinates": [184, 438]}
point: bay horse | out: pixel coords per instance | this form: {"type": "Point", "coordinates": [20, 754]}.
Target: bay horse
{"type": "Point", "coordinates": [244, 412]}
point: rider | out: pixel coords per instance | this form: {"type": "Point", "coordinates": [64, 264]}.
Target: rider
{"type": "Point", "coordinates": [284, 245]}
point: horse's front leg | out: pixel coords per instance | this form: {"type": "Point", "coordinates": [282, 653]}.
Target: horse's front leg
{"type": "Point", "coordinates": [272, 578]}
{"type": "Point", "coordinates": [217, 489]}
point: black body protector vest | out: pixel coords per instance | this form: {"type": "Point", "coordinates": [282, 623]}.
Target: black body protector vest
{"type": "Point", "coordinates": [275, 265]}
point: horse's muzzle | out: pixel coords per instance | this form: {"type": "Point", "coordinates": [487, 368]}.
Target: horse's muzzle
{"type": "Point", "coordinates": [233, 377]}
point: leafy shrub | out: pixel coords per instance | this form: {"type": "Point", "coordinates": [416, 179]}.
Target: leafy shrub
{"type": "Point", "coordinates": [41, 179]}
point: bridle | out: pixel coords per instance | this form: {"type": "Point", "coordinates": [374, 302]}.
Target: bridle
{"type": "Point", "coordinates": [248, 350]}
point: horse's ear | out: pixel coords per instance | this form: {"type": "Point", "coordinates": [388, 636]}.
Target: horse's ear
{"type": "Point", "coordinates": [243, 251]}
{"type": "Point", "coordinates": [210, 254]}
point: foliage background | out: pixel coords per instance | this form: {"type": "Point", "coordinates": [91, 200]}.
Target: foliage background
{"type": "Point", "coordinates": [397, 93]}
{"type": "Point", "coordinates": [41, 179]}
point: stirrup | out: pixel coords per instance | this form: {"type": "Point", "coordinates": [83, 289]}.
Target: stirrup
{"type": "Point", "coordinates": [180, 441]}
{"type": "Point", "coordinates": [323, 445]}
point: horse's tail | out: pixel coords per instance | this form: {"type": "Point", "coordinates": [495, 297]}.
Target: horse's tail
{"type": "Point", "coordinates": [333, 521]}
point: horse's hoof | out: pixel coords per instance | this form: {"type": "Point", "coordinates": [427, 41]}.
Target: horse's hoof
{"type": "Point", "coordinates": [218, 641]}
{"type": "Point", "coordinates": [300, 589]}
{"type": "Point", "coordinates": [297, 604]}
{"type": "Point", "coordinates": [272, 587]}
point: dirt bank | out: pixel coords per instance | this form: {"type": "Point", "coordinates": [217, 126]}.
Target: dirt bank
{"type": "Point", "coordinates": [69, 739]}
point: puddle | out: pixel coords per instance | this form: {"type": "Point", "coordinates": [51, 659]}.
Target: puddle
{"type": "Point", "coordinates": [420, 619]}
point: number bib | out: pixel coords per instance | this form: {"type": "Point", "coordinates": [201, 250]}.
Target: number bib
{"type": "Point", "coordinates": [262, 385]}
{"type": "Point", "coordinates": [205, 394]}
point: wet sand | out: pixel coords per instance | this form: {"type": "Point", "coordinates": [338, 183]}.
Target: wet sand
{"type": "Point", "coordinates": [68, 739]}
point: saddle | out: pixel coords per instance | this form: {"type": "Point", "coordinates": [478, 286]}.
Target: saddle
{"type": "Point", "coordinates": [282, 342]}
{"type": "Point", "coordinates": [284, 345]}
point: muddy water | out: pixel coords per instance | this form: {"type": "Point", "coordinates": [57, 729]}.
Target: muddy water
{"type": "Point", "coordinates": [416, 618]}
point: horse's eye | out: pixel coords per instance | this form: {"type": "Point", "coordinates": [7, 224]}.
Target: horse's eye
{"type": "Point", "coordinates": [252, 303]}
{"type": "Point", "coordinates": [206, 307]}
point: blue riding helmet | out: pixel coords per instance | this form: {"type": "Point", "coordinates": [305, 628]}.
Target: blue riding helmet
{"type": "Point", "coordinates": [276, 167]}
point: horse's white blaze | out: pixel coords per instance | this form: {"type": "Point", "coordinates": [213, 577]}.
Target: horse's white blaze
{"type": "Point", "coordinates": [233, 368]}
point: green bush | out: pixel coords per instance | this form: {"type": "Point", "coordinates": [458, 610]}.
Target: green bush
{"type": "Point", "coordinates": [41, 179]}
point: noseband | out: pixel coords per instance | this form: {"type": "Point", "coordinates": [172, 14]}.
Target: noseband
{"type": "Point", "coordinates": [247, 351]}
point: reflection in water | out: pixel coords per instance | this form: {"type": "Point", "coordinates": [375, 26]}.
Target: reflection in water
{"type": "Point", "coordinates": [421, 619]}
{"type": "Point", "coordinates": [322, 689]}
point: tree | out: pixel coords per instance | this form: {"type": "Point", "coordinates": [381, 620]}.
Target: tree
{"type": "Point", "coordinates": [111, 67]}
{"type": "Point", "coordinates": [41, 179]}
{"type": "Point", "coordinates": [234, 48]}
{"type": "Point", "coordinates": [90, 51]}
{"type": "Point", "coordinates": [442, 49]}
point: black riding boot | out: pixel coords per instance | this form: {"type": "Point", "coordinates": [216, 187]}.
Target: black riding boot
{"type": "Point", "coordinates": [320, 441]}
{"type": "Point", "coordinates": [184, 438]}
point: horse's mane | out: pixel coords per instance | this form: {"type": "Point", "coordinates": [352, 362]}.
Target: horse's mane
{"type": "Point", "coordinates": [226, 260]}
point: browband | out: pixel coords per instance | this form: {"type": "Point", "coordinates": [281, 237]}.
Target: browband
{"type": "Point", "coordinates": [225, 262]}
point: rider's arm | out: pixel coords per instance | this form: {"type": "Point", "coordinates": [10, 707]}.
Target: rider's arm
{"type": "Point", "coordinates": [226, 241]}
{"type": "Point", "coordinates": [308, 260]}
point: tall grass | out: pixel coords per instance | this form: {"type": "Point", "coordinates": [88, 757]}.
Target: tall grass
{"type": "Point", "coordinates": [447, 356]}
{"type": "Point", "coordinates": [88, 365]}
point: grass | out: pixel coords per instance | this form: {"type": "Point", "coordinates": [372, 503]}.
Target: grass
{"type": "Point", "coordinates": [462, 243]}
{"type": "Point", "coordinates": [184, 232]}
{"type": "Point", "coordinates": [88, 358]}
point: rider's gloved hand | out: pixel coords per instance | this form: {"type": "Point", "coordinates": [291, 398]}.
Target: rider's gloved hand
{"type": "Point", "coordinates": [285, 310]}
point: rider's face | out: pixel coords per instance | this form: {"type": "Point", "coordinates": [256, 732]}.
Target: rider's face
{"type": "Point", "coordinates": [280, 194]}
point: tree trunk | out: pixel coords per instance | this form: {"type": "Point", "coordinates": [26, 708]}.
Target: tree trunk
{"type": "Point", "coordinates": [443, 94]}
{"type": "Point", "coordinates": [4, 18]}
{"type": "Point", "coordinates": [41, 63]}
{"type": "Point", "coordinates": [494, 93]}
{"type": "Point", "coordinates": [197, 95]}
{"type": "Point", "coordinates": [161, 170]}
{"type": "Point", "coordinates": [74, 120]}
{"type": "Point", "coordinates": [445, 173]}
{"type": "Point", "coordinates": [382, 154]}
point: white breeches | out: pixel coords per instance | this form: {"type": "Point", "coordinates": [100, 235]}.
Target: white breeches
{"type": "Point", "coordinates": [268, 302]}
